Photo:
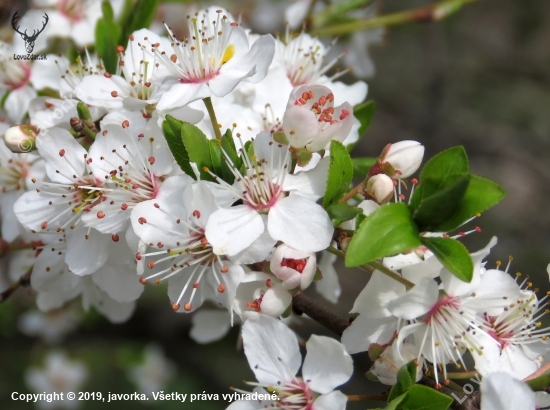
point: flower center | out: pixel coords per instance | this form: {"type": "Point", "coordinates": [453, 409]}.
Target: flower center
{"type": "Point", "coordinates": [73, 10]}
{"type": "Point", "coordinates": [296, 264]}
{"type": "Point", "coordinates": [14, 74]}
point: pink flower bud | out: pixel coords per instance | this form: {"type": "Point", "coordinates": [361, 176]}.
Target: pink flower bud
{"type": "Point", "coordinates": [311, 120]}
{"type": "Point", "coordinates": [21, 138]}
{"type": "Point", "coordinates": [405, 157]}
{"type": "Point", "coordinates": [380, 187]}
{"type": "Point", "coordinates": [294, 268]}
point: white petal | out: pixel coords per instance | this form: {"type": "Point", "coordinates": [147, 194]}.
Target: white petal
{"type": "Point", "coordinates": [179, 95]}
{"type": "Point", "coordinates": [335, 400]}
{"type": "Point", "coordinates": [100, 91]}
{"type": "Point", "coordinates": [500, 391]}
{"type": "Point", "coordinates": [378, 292]}
{"type": "Point", "coordinates": [120, 283]}
{"type": "Point", "coordinates": [329, 286]}
{"type": "Point", "coordinates": [261, 52]}
{"type": "Point", "coordinates": [417, 301]}
{"type": "Point", "coordinates": [209, 325]}
{"type": "Point", "coordinates": [271, 349]}
{"type": "Point", "coordinates": [232, 230]}
{"type": "Point", "coordinates": [86, 255]}
{"type": "Point", "coordinates": [312, 182]}
{"type": "Point", "coordinates": [17, 103]}
{"type": "Point", "coordinates": [327, 364]}
{"type": "Point", "coordinates": [300, 223]}
{"type": "Point", "coordinates": [364, 331]}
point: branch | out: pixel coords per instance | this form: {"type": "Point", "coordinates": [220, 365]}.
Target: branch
{"type": "Point", "coordinates": [24, 280]}
{"type": "Point", "coordinates": [302, 304]}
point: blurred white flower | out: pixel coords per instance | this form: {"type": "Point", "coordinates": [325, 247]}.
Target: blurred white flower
{"type": "Point", "coordinates": [154, 373]}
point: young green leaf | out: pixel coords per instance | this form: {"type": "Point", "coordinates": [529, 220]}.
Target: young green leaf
{"type": "Point", "coordinates": [198, 148]}
{"type": "Point", "coordinates": [424, 398]}
{"type": "Point", "coordinates": [107, 33]}
{"type": "Point", "coordinates": [171, 128]}
{"type": "Point", "coordinates": [144, 11]}
{"type": "Point", "coordinates": [387, 231]}
{"type": "Point", "coordinates": [364, 113]}
{"type": "Point", "coordinates": [481, 195]}
{"type": "Point", "coordinates": [228, 145]}
{"type": "Point", "coordinates": [342, 212]}
{"type": "Point", "coordinates": [440, 206]}
{"type": "Point", "coordinates": [340, 173]}
{"type": "Point", "coordinates": [219, 162]}
{"type": "Point", "coordinates": [396, 403]}
{"type": "Point", "coordinates": [438, 171]}
{"type": "Point", "coordinates": [453, 255]}
{"type": "Point", "coordinates": [404, 382]}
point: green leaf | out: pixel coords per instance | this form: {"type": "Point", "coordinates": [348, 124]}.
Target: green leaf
{"type": "Point", "coordinates": [339, 213]}
{"type": "Point", "coordinates": [396, 402]}
{"type": "Point", "coordinates": [425, 398]}
{"type": "Point", "coordinates": [387, 231]}
{"type": "Point", "coordinates": [171, 128]}
{"type": "Point", "coordinates": [375, 351]}
{"type": "Point", "coordinates": [144, 12]}
{"type": "Point", "coordinates": [340, 173]}
{"type": "Point", "coordinates": [406, 377]}
{"type": "Point", "coordinates": [438, 207]}
{"type": "Point", "coordinates": [198, 148]}
{"type": "Point", "coordinates": [453, 255]}
{"type": "Point", "coordinates": [481, 195]}
{"type": "Point", "coordinates": [107, 33]}
{"type": "Point", "coordinates": [362, 166]}
{"type": "Point", "coordinates": [438, 170]}
{"type": "Point", "coordinates": [540, 383]}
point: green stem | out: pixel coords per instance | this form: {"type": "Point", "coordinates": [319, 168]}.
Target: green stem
{"type": "Point", "coordinates": [432, 12]}
{"type": "Point", "coordinates": [88, 133]}
{"type": "Point", "coordinates": [375, 265]}
{"type": "Point", "coordinates": [213, 119]}
{"type": "Point", "coordinates": [461, 375]}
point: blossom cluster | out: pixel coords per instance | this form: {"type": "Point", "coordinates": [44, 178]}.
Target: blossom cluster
{"type": "Point", "coordinates": [208, 162]}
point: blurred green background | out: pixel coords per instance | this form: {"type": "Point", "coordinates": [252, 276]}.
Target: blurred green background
{"type": "Point", "coordinates": [479, 79]}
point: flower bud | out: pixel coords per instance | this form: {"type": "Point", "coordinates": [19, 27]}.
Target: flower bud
{"type": "Point", "coordinates": [296, 269]}
{"type": "Point", "coordinates": [387, 365]}
{"type": "Point", "coordinates": [380, 187]}
{"type": "Point", "coordinates": [311, 120]}
{"type": "Point", "coordinates": [405, 157]}
{"type": "Point", "coordinates": [275, 301]}
{"type": "Point", "coordinates": [21, 138]}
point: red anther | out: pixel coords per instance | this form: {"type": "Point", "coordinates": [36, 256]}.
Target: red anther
{"type": "Point", "coordinates": [120, 49]}
{"type": "Point", "coordinates": [221, 288]}
{"type": "Point", "coordinates": [187, 306]}
{"type": "Point", "coordinates": [147, 84]}
{"type": "Point", "coordinates": [204, 242]}
{"type": "Point", "coordinates": [322, 100]}
{"type": "Point", "coordinates": [224, 269]}
{"type": "Point", "coordinates": [415, 362]}
{"type": "Point", "coordinates": [89, 161]}
{"type": "Point", "coordinates": [142, 220]}
{"type": "Point", "coordinates": [305, 95]}
{"type": "Point", "coordinates": [196, 285]}
{"type": "Point", "coordinates": [296, 264]}
{"type": "Point", "coordinates": [445, 235]}
{"type": "Point", "coordinates": [141, 136]}
{"type": "Point", "coordinates": [104, 132]}
{"type": "Point", "coordinates": [268, 283]}
{"type": "Point", "coordinates": [142, 280]}
{"type": "Point", "coordinates": [44, 225]}
{"type": "Point", "coordinates": [402, 197]}
{"type": "Point", "coordinates": [175, 306]}
{"type": "Point", "coordinates": [254, 305]}
{"type": "Point", "coordinates": [234, 24]}
{"type": "Point", "coordinates": [115, 238]}
{"type": "Point", "coordinates": [461, 234]}
{"type": "Point", "coordinates": [114, 94]}
{"type": "Point", "coordinates": [344, 114]}
{"type": "Point", "coordinates": [61, 152]}
{"type": "Point", "coordinates": [135, 186]}
{"type": "Point", "coordinates": [131, 37]}
{"type": "Point", "coordinates": [157, 281]}
{"type": "Point", "coordinates": [310, 94]}
{"type": "Point", "coordinates": [100, 215]}
{"type": "Point", "coordinates": [197, 213]}
{"type": "Point", "coordinates": [124, 207]}
{"type": "Point", "coordinates": [414, 181]}
{"type": "Point", "coordinates": [138, 256]}
{"type": "Point", "coordinates": [330, 97]}
{"type": "Point", "coordinates": [156, 206]}
{"type": "Point", "coordinates": [125, 124]}
{"type": "Point", "coordinates": [315, 106]}
{"type": "Point", "coordinates": [106, 74]}
{"type": "Point", "coordinates": [330, 110]}
{"type": "Point", "coordinates": [446, 382]}
{"type": "Point", "coordinates": [151, 160]}
{"type": "Point", "coordinates": [174, 58]}
{"type": "Point", "coordinates": [151, 264]}
{"type": "Point", "coordinates": [478, 229]}
{"type": "Point", "coordinates": [438, 386]}
{"type": "Point", "coordinates": [302, 101]}
{"type": "Point", "coordinates": [127, 180]}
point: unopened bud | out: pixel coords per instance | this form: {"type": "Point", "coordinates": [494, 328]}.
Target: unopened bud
{"type": "Point", "coordinates": [296, 269]}
{"type": "Point", "coordinates": [21, 138]}
{"type": "Point", "coordinates": [380, 187]}
{"type": "Point", "coordinates": [405, 157]}
{"type": "Point", "coordinates": [275, 301]}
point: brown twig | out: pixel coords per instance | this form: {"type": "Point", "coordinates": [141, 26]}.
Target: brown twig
{"type": "Point", "coordinates": [24, 280]}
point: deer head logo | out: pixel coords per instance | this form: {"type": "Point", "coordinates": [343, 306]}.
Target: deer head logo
{"type": "Point", "coordinates": [29, 39]}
